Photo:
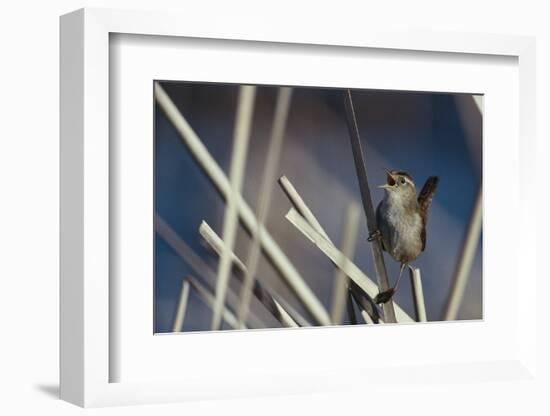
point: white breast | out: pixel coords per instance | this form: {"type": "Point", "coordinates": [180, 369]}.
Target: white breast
{"type": "Point", "coordinates": [404, 232]}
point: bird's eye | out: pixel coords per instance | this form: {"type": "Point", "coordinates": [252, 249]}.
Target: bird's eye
{"type": "Point", "coordinates": [403, 182]}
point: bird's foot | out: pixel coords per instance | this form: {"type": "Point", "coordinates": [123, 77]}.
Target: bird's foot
{"type": "Point", "coordinates": [384, 296]}
{"type": "Point", "coordinates": [375, 235]}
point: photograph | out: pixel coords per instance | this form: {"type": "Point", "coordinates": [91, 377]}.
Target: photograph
{"type": "Point", "coordinates": [303, 206]}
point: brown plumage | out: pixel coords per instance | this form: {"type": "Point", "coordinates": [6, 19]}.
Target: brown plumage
{"type": "Point", "coordinates": [402, 218]}
{"type": "Point", "coordinates": [424, 201]}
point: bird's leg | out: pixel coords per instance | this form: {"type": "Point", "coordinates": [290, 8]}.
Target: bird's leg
{"type": "Point", "coordinates": [403, 265]}
{"type": "Point", "coordinates": [386, 295]}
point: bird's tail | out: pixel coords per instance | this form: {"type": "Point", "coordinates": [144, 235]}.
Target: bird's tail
{"type": "Point", "coordinates": [426, 194]}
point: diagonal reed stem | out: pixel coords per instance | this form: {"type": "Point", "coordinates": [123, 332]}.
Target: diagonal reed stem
{"type": "Point", "coordinates": [366, 304]}
{"type": "Point", "coordinates": [357, 293]}
{"type": "Point", "coordinates": [210, 300]}
{"type": "Point", "coordinates": [200, 268]}
{"type": "Point", "coordinates": [263, 295]}
{"type": "Point", "coordinates": [291, 310]}
{"type": "Point", "coordinates": [265, 195]}
{"type": "Point", "coordinates": [350, 309]}
{"type": "Point", "coordinates": [336, 256]}
{"type": "Point", "coordinates": [367, 318]}
{"type": "Point", "coordinates": [269, 246]}
{"type": "Point", "coordinates": [361, 170]}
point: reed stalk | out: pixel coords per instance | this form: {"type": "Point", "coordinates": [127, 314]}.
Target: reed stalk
{"type": "Point", "coordinates": [199, 266]}
{"type": "Point", "coordinates": [465, 260]}
{"type": "Point", "coordinates": [263, 295]}
{"type": "Point", "coordinates": [241, 136]}
{"type": "Point", "coordinates": [341, 261]}
{"type": "Point", "coordinates": [182, 307]}
{"type": "Point", "coordinates": [264, 197]}
{"type": "Point", "coordinates": [349, 237]}
{"type": "Point", "coordinates": [361, 170]}
{"type": "Point", "coordinates": [269, 246]}
{"type": "Point", "coordinates": [418, 294]}
{"type": "Point", "coordinates": [357, 293]}
{"type": "Point", "coordinates": [210, 300]}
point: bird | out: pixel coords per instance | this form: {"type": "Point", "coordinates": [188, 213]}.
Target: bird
{"type": "Point", "coordinates": [401, 219]}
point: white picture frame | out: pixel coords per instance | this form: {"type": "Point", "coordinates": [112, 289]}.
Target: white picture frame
{"type": "Point", "coordinates": [86, 355]}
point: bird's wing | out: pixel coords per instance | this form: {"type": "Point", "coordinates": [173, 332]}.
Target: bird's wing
{"type": "Point", "coordinates": [424, 200]}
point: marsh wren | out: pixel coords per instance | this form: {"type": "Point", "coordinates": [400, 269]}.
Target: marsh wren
{"type": "Point", "coordinates": [401, 218]}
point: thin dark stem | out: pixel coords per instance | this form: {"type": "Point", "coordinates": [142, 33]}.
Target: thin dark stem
{"type": "Point", "coordinates": [361, 170]}
{"type": "Point", "coordinates": [351, 310]}
{"type": "Point", "coordinates": [349, 304]}
{"type": "Point", "coordinates": [364, 301]}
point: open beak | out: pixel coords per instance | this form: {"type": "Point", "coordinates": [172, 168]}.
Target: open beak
{"type": "Point", "coordinates": [390, 179]}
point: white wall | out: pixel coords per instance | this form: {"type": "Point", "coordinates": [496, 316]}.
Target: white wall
{"type": "Point", "coordinates": [29, 205]}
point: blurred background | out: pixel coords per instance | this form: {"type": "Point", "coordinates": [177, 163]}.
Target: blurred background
{"type": "Point", "coordinates": [422, 133]}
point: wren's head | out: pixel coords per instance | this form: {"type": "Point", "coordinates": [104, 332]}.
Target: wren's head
{"type": "Point", "coordinates": [399, 187]}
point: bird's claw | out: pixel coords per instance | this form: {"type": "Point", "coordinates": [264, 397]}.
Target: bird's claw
{"type": "Point", "coordinates": [384, 296]}
{"type": "Point", "coordinates": [375, 235]}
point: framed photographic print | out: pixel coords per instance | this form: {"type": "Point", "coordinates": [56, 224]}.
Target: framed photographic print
{"type": "Point", "coordinates": [244, 215]}
{"type": "Point", "coordinates": [301, 133]}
